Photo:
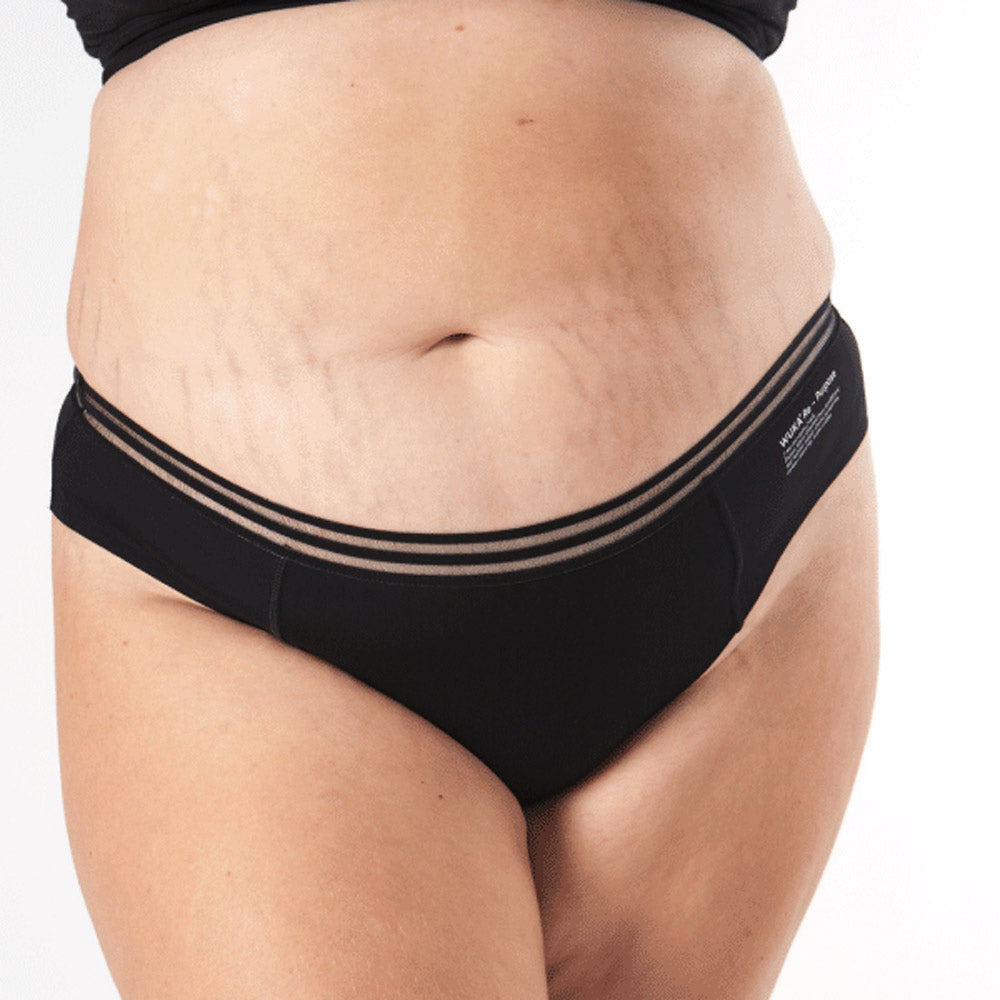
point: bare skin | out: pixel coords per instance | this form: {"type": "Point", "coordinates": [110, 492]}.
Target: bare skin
{"type": "Point", "coordinates": [684, 867]}
{"type": "Point", "coordinates": [247, 821]}
{"type": "Point", "coordinates": [286, 218]}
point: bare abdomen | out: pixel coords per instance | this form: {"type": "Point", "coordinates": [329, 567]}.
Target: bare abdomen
{"type": "Point", "coordinates": [285, 213]}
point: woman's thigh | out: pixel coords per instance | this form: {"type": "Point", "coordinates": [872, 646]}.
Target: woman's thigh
{"type": "Point", "coordinates": [248, 821]}
{"type": "Point", "coordinates": [684, 867]}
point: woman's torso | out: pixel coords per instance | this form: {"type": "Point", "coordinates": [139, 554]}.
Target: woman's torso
{"type": "Point", "coordinates": [284, 211]}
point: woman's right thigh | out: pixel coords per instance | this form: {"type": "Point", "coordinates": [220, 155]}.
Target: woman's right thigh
{"type": "Point", "coordinates": [247, 821]}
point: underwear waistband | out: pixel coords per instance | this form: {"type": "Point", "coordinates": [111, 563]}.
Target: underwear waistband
{"type": "Point", "coordinates": [583, 533]}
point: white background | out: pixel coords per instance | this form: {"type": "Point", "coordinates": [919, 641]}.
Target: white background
{"type": "Point", "coordinates": [893, 109]}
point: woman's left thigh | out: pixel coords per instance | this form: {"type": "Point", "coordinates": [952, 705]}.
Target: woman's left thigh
{"type": "Point", "coordinates": [684, 867]}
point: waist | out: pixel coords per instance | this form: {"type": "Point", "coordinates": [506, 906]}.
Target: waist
{"type": "Point", "coordinates": [283, 212]}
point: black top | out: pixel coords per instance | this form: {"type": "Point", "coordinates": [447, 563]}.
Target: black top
{"type": "Point", "coordinates": [120, 31]}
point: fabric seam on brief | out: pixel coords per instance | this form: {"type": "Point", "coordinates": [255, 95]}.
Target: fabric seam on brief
{"type": "Point", "coordinates": [734, 540]}
{"type": "Point", "coordinates": [630, 511]}
{"type": "Point", "coordinates": [273, 624]}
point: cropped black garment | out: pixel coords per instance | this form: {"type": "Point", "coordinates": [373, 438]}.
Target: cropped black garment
{"type": "Point", "coordinates": [542, 649]}
{"type": "Point", "coordinates": [118, 32]}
